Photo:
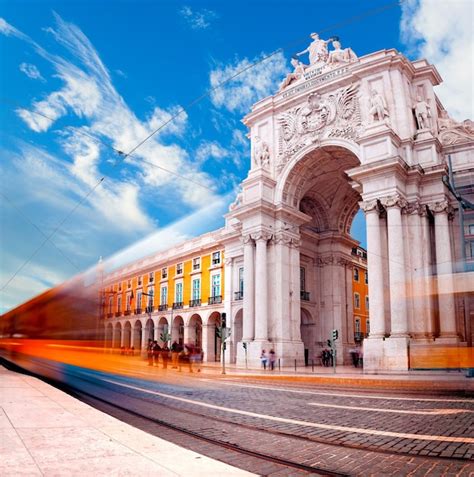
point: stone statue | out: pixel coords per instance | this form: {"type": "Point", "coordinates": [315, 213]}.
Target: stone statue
{"type": "Point", "coordinates": [318, 50]}
{"type": "Point", "coordinates": [261, 154]}
{"type": "Point", "coordinates": [340, 56]}
{"type": "Point", "coordinates": [297, 74]}
{"type": "Point", "coordinates": [238, 200]}
{"type": "Point", "coordinates": [422, 113]}
{"type": "Point", "coordinates": [377, 107]}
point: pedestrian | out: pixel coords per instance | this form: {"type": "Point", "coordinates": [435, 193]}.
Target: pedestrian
{"type": "Point", "coordinates": [149, 351]}
{"type": "Point", "coordinates": [174, 355]}
{"type": "Point", "coordinates": [165, 356]}
{"type": "Point", "coordinates": [264, 359]}
{"type": "Point", "coordinates": [272, 358]}
{"type": "Point", "coordinates": [156, 352]}
{"type": "Point", "coordinates": [355, 357]}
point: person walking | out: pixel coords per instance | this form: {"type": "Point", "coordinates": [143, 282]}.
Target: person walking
{"type": "Point", "coordinates": [264, 359]}
{"type": "Point", "coordinates": [272, 357]}
{"type": "Point", "coordinates": [149, 351]}
{"type": "Point", "coordinates": [156, 352]}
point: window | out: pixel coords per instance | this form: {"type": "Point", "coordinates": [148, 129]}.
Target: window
{"type": "Point", "coordinates": [216, 258]}
{"type": "Point", "coordinates": [111, 303]}
{"type": "Point", "coordinates": [366, 302]}
{"type": "Point", "coordinates": [179, 293]}
{"type": "Point", "coordinates": [120, 286]}
{"type": "Point", "coordinates": [151, 277]}
{"type": "Point", "coordinates": [471, 229]}
{"type": "Point", "coordinates": [366, 277]}
{"type": "Point", "coordinates": [119, 304]}
{"type": "Point", "coordinates": [164, 296]}
{"type": "Point", "coordinates": [139, 300]}
{"type": "Point", "coordinates": [216, 285]}
{"type": "Point", "coordinates": [129, 284]}
{"type": "Point", "coordinates": [356, 300]}
{"type": "Point", "coordinates": [471, 245]}
{"type": "Point", "coordinates": [139, 281]}
{"type": "Point", "coordinates": [367, 326]}
{"type": "Point", "coordinates": [150, 297]}
{"type": "Point", "coordinates": [196, 289]}
{"type": "Point", "coordinates": [129, 299]}
{"type": "Point", "coordinates": [241, 279]}
{"type": "Point", "coordinates": [197, 263]}
{"type": "Point", "coordinates": [356, 274]}
{"type": "Point", "coordinates": [179, 268]}
{"type": "Point", "coordinates": [302, 279]}
{"type": "Point", "coordinates": [357, 325]}
{"type": "Point", "coordinates": [164, 273]}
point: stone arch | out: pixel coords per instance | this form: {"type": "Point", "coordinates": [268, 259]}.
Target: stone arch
{"type": "Point", "coordinates": [213, 351]}
{"type": "Point", "coordinates": [162, 327]}
{"type": "Point", "coordinates": [109, 335]}
{"type": "Point", "coordinates": [127, 334]}
{"type": "Point", "coordinates": [308, 335]}
{"type": "Point", "coordinates": [137, 335]}
{"type": "Point", "coordinates": [237, 331]}
{"type": "Point", "coordinates": [150, 330]}
{"type": "Point", "coordinates": [195, 330]}
{"type": "Point", "coordinates": [117, 336]}
{"type": "Point", "coordinates": [177, 330]}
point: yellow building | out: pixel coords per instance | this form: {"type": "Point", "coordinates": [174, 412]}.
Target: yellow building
{"type": "Point", "coordinates": [360, 294]}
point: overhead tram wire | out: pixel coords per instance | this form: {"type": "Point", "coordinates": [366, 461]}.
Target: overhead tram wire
{"type": "Point", "coordinates": [124, 155]}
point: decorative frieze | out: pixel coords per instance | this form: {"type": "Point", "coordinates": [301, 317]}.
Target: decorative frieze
{"type": "Point", "coordinates": [395, 200]}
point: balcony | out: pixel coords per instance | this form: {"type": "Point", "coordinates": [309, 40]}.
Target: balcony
{"type": "Point", "coordinates": [138, 311]}
{"type": "Point", "coordinates": [214, 300]}
{"type": "Point", "coordinates": [163, 307]}
{"type": "Point", "coordinates": [110, 315]}
{"type": "Point", "coordinates": [196, 302]}
{"type": "Point", "coordinates": [118, 313]}
{"type": "Point", "coordinates": [304, 295]}
{"type": "Point", "coordinates": [150, 309]}
{"type": "Point", "coordinates": [239, 295]}
{"type": "Point", "coordinates": [127, 312]}
{"type": "Point", "coordinates": [178, 305]}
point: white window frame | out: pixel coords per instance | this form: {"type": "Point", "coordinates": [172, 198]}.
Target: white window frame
{"type": "Point", "coordinates": [302, 279]}
{"type": "Point", "coordinates": [356, 274]}
{"type": "Point", "coordinates": [241, 279]}
{"type": "Point", "coordinates": [181, 266]}
{"type": "Point", "coordinates": [128, 302]}
{"type": "Point", "coordinates": [193, 289]}
{"type": "Point", "coordinates": [357, 300]}
{"type": "Point", "coordinates": [164, 295]}
{"type": "Point", "coordinates": [367, 302]}
{"type": "Point", "coordinates": [119, 304]}
{"type": "Point", "coordinates": [164, 273]}
{"type": "Point", "coordinates": [357, 325]}
{"type": "Point", "coordinates": [367, 325]}
{"type": "Point", "coordinates": [218, 261]}
{"type": "Point", "coordinates": [212, 285]}
{"type": "Point", "coordinates": [196, 266]}
{"type": "Point", "coordinates": [177, 298]}
{"type": "Point", "coordinates": [138, 301]}
{"type": "Point", "coordinates": [366, 273]}
{"type": "Point", "coordinates": [111, 304]}
{"type": "Point", "coordinates": [150, 291]}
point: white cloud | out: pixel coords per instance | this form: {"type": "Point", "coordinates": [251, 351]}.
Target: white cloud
{"type": "Point", "coordinates": [441, 32]}
{"type": "Point", "coordinates": [198, 19]}
{"type": "Point", "coordinates": [256, 82]}
{"type": "Point", "coordinates": [31, 71]}
{"type": "Point", "coordinates": [210, 150]}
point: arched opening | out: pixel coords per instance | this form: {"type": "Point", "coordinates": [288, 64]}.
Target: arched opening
{"type": "Point", "coordinates": [195, 331]}
{"type": "Point", "coordinates": [127, 334]}
{"type": "Point", "coordinates": [163, 330]}
{"type": "Point", "coordinates": [137, 335]}
{"type": "Point", "coordinates": [109, 336]}
{"type": "Point", "coordinates": [308, 334]}
{"type": "Point", "coordinates": [213, 351]}
{"type": "Point", "coordinates": [177, 330]}
{"type": "Point", "coordinates": [150, 328]}
{"type": "Point", "coordinates": [237, 332]}
{"type": "Point", "coordinates": [117, 338]}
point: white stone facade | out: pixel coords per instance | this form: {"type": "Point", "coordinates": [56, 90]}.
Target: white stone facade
{"type": "Point", "coordinates": [364, 133]}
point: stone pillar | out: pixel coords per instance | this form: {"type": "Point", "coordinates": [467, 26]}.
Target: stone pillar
{"type": "Point", "coordinates": [375, 269]}
{"type": "Point", "coordinates": [187, 334]}
{"type": "Point", "coordinates": [122, 336]}
{"type": "Point", "coordinates": [261, 287]}
{"type": "Point", "coordinates": [144, 341]}
{"type": "Point", "coordinates": [295, 297]}
{"type": "Point", "coordinates": [397, 276]}
{"type": "Point", "coordinates": [282, 292]}
{"type": "Point", "coordinates": [206, 342]}
{"type": "Point", "coordinates": [249, 290]}
{"type": "Point", "coordinates": [132, 335]}
{"type": "Point", "coordinates": [444, 271]}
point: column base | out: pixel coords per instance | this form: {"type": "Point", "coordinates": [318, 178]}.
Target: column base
{"type": "Point", "coordinates": [447, 339]}
{"type": "Point", "coordinates": [386, 355]}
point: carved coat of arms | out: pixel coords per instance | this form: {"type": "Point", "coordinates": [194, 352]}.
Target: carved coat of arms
{"type": "Point", "coordinates": [337, 115]}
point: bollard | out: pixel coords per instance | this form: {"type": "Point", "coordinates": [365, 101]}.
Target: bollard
{"type": "Point", "coordinates": [295, 365]}
{"type": "Point", "coordinates": [279, 367]}
{"type": "Point", "coordinates": [312, 365]}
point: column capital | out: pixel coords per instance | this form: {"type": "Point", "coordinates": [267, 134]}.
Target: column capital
{"type": "Point", "coordinates": [424, 211]}
{"type": "Point", "coordinates": [412, 208]}
{"type": "Point", "coordinates": [246, 239]}
{"type": "Point", "coordinates": [262, 236]}
{"type": "Point", "coordinates": [395, 200]}
{"type": "Point", "coordinates": [344, 262]}
{"type": "Point", "coordinates": [295, 243]}
{"type": "Point", "coordinates": [282, 239]}
{"type": "Point", "coordinates": [439, 207]}
{"type": "Point", "coordinates": [369, 205]}
{"type": "Point", "coordinates": [228, 261]}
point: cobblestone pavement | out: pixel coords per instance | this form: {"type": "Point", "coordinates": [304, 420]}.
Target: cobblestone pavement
{"type": "Point", "coordinates": [353, 432]}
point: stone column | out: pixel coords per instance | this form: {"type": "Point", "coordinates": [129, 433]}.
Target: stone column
{"type": "Point", "coordinates": [375, 268]}
{"type": "Point", "coordinates": [122, 336]}
{"type": "Point", "coordinates": [144, 341]}
{"type": "Point", "coordinates": [206, 342]}
{"type": "Point", "coordinates": [282, 292]}
{"type": "Point", "coordinates": [397, 276]}
{"type": "Point", "coordinates": [295, 298]}
{"type": "Point", "coordinates": [186, 334]}
{"type": "Point", "coordinates": [429, 325]}
{"type": "Point", "coordinates": [261, 287]}
{"type": "Point", "coordinates": [249, 290]}
{"type": "Point", "coordinates": [444, 270]}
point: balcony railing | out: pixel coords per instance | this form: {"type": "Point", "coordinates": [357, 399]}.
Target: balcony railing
{"type": "Point", "coordinates": [118, 313]}
{"type": "Point", "coordinates": [127, 312]}
{"type": "Point", "coordinates": [110, 315]}
{"type": "Point", "coordinates": [178, 305]}
{"type": "Point", "coordinates": [196, 302]}
{"type": "Point", "coordinates": [214, 300]}
{"type": "Point", "coordinates": [150, 309]}
{"type": "Point", "coordinates": [239, 295]}
{"type": "Point", "coordinates": [163, 307]}
{"type": "Point", "coordinates": [138, 311]}
{"type": "Point", "coordinates": [305, 295]}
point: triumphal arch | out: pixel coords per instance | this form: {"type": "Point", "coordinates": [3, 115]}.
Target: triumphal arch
{"type": "Point", "coordinates": [342, 133]}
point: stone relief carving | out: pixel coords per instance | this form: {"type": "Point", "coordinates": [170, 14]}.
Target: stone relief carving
{"type": "Point", "coordinates": [378, 110]}
{"type": "Point", "coordinates": [395, 200]}
{"type": "Point", "coordinates": [262, 236]}
{"type": "Point", "coordinates": [238, 200]}
{"type": "Point", "coordinates": [412, 208]}
{"type": "Point", "coordinates": [297, 74]}
{"type": "Point", "coordinates": [261, 155]}
{"type": "Point", "coordinates": [422, 113]}
{"type": "Point", "coordinates": [439, 207]}
{"type": "Point", "coordinates": [369, 206]}
{"type": "Point", "coordinates": [337, 115]}
{"type": "Point", "coordinates": [452, 132]}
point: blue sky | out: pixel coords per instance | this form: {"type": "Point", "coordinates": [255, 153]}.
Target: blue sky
{"type": "Point", "coordinates": [108, 73]}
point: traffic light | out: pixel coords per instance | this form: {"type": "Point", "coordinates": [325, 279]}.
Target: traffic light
{"type": "Point", "coordinates": [223, 320]}
{"type": "Point", "coordinates": [335, 334]}
{"type": "Point", "coordinates": [329, 343]}
{"type": "Point", "coordinates": [244, 345]}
